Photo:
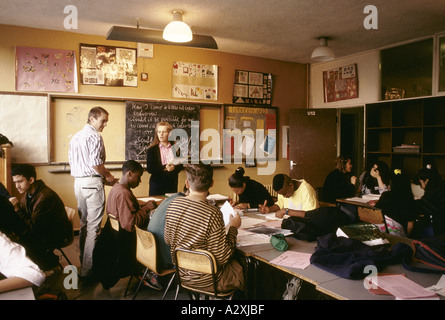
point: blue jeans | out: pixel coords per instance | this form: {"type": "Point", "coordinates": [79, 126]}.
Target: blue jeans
{"type": "Point", "coordinates": [90, 195]}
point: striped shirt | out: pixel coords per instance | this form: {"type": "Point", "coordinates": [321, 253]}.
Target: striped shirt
{"type": "Point", "coordinates": [86, 151]}
{"type": "Point", "coordinates": [193, 224]}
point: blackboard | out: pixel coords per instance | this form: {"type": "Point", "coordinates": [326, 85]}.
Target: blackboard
{"type": "Point", "coordinates": [141, 120]}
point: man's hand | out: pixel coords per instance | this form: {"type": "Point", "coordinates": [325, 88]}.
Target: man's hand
{"type": "Point", "coordinates": [15, 202]}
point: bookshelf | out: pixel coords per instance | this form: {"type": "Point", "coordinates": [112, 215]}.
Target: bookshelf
{"type": "Point", "coordinates": [406, 134]}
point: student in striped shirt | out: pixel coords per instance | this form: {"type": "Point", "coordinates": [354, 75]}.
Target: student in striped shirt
{"type": "Point", "coordinates": [193, 223]}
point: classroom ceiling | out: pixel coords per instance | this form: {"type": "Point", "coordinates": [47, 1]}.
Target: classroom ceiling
{"type": "Point", "coordinates": [276, 29]}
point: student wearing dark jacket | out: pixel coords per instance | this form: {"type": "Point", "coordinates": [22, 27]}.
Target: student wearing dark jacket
{"type": "Point", "coordinates": [250, 192]}
{"type": "Point", "coordinates": [339, 183]}
{"type": "Point", "coordinates": [44, 216]}
{"type": "Point", "coordinates": [431, 207]}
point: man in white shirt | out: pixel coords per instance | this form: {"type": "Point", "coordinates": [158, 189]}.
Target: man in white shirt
{"type": "Point", "coordinates": [19, 270]}
{"type": "Point", "coordinates": [87, 162]}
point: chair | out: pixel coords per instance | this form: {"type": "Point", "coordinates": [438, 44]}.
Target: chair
{"type": "Point", "coordinates": [70, 212]}
{"type": "Point", "coordinates": [146, 254]}
{"type": "Point", "coordinates": [372, 215]}
{"type": "Point", "coordinates": [114, 222]}
{"type": "Point", "coordinates": [199, 261]}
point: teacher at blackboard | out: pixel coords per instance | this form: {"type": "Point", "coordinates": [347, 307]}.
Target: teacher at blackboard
{"type": "Point", "coordinates": [160, 164]}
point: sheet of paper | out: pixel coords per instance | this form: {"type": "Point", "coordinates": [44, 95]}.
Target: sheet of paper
{"type": "Point", "coordinates": [251, 239]}
{"type": "Point", "coordinates": [293, 259]}
{"type": "Point", "coordinates": [227, 211]}
{"type": "Point", "coordinates": [149, 199]}
{"type": "Point", "coordinates": [402, 287]}
{"type": "Point", "coordinates": [439, 287]}
{"type": "Point", "coordinates": [217, 197]}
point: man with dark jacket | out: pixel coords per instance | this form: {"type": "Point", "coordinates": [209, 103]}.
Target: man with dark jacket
{"type": "Point", "coordinates": [43, 213]}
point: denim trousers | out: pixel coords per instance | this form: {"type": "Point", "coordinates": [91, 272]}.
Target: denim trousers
{"type": "Point", "coordinates": [90, 195]}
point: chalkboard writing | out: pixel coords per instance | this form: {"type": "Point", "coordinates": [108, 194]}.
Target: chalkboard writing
{"type": "Point", "coordinates": [141, 120]}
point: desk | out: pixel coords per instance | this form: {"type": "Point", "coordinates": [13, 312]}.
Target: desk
{"type": "Point", "coordinates": [325, 282]}
{"type": "Point", "coordinates": [19, 294]}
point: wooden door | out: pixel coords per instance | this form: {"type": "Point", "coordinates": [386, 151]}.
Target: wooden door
{"type": "Point", "coordinates": [312, 144]}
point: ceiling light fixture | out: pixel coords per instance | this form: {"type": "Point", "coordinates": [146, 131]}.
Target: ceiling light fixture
{"type": "Point", "coordinates": [323, 52]}
{"type": "Point", "coordinates": [177, 30]}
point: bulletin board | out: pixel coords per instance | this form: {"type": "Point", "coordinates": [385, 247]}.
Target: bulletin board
{"type": "Point", "coordinates": [255, 118]}
{"type": "Point", "coordinates": [24, 121]}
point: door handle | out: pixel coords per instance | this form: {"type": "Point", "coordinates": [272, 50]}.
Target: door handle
{"type": "Point", "coordinates": [292, 164]}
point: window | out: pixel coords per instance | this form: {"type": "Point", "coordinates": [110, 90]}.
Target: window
{"type": "Point", "coordinates": [407, 70]}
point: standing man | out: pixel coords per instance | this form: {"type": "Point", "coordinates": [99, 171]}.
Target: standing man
{"type": "Point", "coordinates": [87, 162]}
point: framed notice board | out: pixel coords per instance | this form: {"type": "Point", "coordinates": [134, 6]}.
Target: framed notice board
{"type": "Point", "coordinates": [260, 122]}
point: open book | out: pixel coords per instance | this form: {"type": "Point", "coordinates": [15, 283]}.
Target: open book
{"type": "Point", "coordinates": [364, 231]}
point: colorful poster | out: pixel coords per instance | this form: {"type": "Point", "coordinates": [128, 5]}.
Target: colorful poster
{"type": "Point", "coordinates": [195, 81]}
{"type": "Point", "coordinates": [39, 69]}
{"type": "Point", "coordinates": [340, 83]}
{"type": "Point", "coordinates": [108, 66]}
{"type": "Point", "coordinates": [252, 88]}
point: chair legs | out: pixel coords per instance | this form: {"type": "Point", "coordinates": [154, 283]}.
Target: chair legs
{"type": "Point", "coordinates": [142, 279]}
{"type": "Point", "coordinates": [64, 255]}
{"type": "Point", "coordinates": [168, 286]}
{"type": "Point", "coordinates": [140, 283]}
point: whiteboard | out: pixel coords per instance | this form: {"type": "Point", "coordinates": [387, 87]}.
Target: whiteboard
{"type": "Point", "coordinates": [24, 120]}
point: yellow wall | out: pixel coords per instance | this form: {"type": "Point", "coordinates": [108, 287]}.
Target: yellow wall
{"type": "Point", "coordinates": [289, 90]}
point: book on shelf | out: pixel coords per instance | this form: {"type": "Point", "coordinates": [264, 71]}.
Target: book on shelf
{"type": "Point", "coordinates": [366, 232]}
{"type": "Point", "coordinates": [407, 148]}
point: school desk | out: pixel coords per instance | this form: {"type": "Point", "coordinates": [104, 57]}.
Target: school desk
{"type": "Point", "coordinates": [325, 282]}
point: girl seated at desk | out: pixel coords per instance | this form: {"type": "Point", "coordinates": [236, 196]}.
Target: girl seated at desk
{"type": "Point", "coordinates": [376, 180]}
{"type": "Point", "coordinates": [250, 192]}
{"type": "Point", "coordinates": [398, 205]}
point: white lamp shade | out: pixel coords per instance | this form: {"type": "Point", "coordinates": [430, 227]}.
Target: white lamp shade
{"type": "Point", "coordinates": [323, 52]}
{"type": "Point", "coordinates": [177, 30]}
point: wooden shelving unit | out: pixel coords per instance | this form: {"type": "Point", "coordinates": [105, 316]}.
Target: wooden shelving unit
{"type": "Point", "coordinates": [418, 122]}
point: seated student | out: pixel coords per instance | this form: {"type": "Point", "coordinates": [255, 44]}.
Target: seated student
{"type": "Point", "coordinates": [295, 197]}
{"type": "Point", "coordinates": [339, 183]}
{"type": "Point", "coordinates": [115, 256]}
{"type": "Point", "coordinates": [431, 207]}
{"type": "Point", "coordinates": [123, 204]}
{"type": "Point", "coordinates": [44, 215]}
{"type": "Point", "coordinates": [19, 270]}
{"type": "Point", "coordinates": [398, 205]}
{"type": "Point", "coordinates": [157, 227]}
{"type": "Point", "coordinates": [192, 223]}
{"type": "Point", "coordinates": [10, 223]}
{"type": "Point", "coordinates": [375, 180]}
{"type": "Point", "coordinates": [3, 191]}
{"type": "Point", "coordinates": [250, 192]}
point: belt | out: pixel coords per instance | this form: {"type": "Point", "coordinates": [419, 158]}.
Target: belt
{"type": "Point", "coordinates": [92, 176]}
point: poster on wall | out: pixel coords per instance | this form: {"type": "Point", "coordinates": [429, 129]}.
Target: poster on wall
{"type": "Point", "coordinates": [195, 81]}
{"type": "Point", "coordinates": [340, 83]}
{"type": "Point", "coordinates": [40, 69]}
{"type": "Point", "coordinates": [108, 66]}
{"type": "Point", "coordinates": [252, 88]}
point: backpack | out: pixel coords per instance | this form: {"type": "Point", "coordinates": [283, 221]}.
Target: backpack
{"type": "Point", "coordinates": [428, 256]}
